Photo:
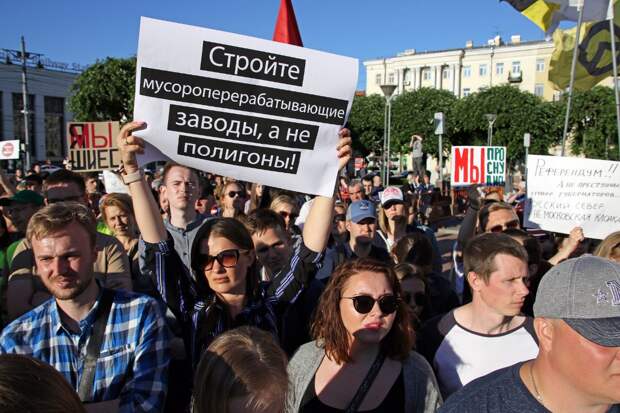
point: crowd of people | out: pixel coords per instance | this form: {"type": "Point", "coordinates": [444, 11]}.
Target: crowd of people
{"type": "Point", "coordinates": [200, 293]}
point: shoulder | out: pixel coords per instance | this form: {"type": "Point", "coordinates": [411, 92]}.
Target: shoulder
{"type": "Point", "coordinates": [26, 327]}
{"type": "Point", "coordinates": [306, 354]}
{"type": "Point", "coordinates": [136, 304]}
{"type": "Point", "coordinates": [418, 365]}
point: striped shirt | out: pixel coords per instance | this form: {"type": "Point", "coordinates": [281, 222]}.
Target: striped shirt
{"type": "Point", "coordinates": [204, 316]}
{"type": "Point", "coordinates": [133, 361]}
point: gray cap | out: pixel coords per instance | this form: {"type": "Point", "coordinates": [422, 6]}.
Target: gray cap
{"type": "Point", "coordinates": [585, 293]}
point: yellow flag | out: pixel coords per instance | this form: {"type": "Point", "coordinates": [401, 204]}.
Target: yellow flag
{"type": "Point", "coordinates": [594, 59]}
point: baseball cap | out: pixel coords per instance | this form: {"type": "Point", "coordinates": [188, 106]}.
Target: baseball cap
{"type": "Point", "coordinates": [585, 293]}
{"type": "Point", "coordinates": [391, 195]}
{"type": "Point", "coordinates": [23, 197]}
{"type": "Point", "coordinates": [360, 210]}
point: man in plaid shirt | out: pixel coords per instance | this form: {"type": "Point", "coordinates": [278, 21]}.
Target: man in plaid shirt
{"type": "Point", "coordinates": [131, 367]}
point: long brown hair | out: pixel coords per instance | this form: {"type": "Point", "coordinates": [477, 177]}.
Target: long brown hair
{"type": "Point", "coordinates": [328, 328]}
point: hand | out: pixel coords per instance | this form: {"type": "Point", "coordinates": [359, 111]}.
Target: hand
{"type": "Point", "coordinates": [344, 148]}
{"type": "Point", "coordinates": [474, 196]}
{"type": "Point", "coordinates": [574, 239]}
{"type": "Point", "coordinates": [129, 145]}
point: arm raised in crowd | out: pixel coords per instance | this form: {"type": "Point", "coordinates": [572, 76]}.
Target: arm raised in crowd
{"type": "Point", "coordinates": [319, 222]}
{"type": "Point", "coordinates": [147, 212]}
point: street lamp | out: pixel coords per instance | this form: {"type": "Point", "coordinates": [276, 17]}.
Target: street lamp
{"type": "Point", "coordinates": [388, 91]}
{"type": "Point", "coordinates": [490, 117]}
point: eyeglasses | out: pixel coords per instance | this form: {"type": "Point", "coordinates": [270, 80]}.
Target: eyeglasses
{"type": "Point", "coordinates": [232, 194]}
{"type": "Point", "coordinates": [502, 227]}
{"type": "Point", "coordinates": [340, 218]}
{"type": "Point", "coordinates": [289, 215]}
{"type": "Point", "coordinates": [226, 258]}
{"type": "Point", "coordinates": [364, 303]}
{"type": "Point", "coordinates": [419, 299]}
{"type": "Point", "coordinates": [76, 198]}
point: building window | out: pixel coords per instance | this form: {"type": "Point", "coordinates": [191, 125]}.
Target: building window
{"type": "Point", "coordinates": [54, 130]}
{"type": "Point", "coordinates": [18, 119]}
{"type": "Point", "coordinates": [445, 73]}
{"type": "Point", "coordinates": [378, 78]}
{"type": "Point", "coordinates": [391, 79]}
{"type": "Point", "coordinates": [499, 69]}
{"type": "Point", "coordinates": [466, 71]}
{"type": "Point", "coordinates": [407, 77]}
{"type": "Point", "coordinates": [540, 65]}
{"type": "Point", "coordinates": [482, 71]}
{"type": "Point", "coordinates": [466, 92]}
{"type": "Point", "coordinates": [426, 74]}
{"type": "Point", "coordinates": [539, 89]}
{"type": "Point", "coordinates": [516, 68]}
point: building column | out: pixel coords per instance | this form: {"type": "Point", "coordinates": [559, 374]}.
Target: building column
{"type": "Point", "coordinates": [435, 77]}
{"type": "Point", "coordinates": [419, 80]}
{"type": "Point", "coordinates": [38, 146]}
{"type": "Point", "coordinates": [457, 75]}
{"type": "Point", "coordinates": [453, 74]}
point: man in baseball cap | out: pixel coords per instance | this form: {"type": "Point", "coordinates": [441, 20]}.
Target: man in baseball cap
{"type": "Point", "coordinates": [20, 207]}
{"type": "Point", "coordinates": [577, 369]}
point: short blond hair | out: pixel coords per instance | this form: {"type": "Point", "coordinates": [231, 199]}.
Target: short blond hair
{"type": "Point", "coordinates": [55, 217]}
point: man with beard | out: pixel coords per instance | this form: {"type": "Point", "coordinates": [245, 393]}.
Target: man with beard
{"type": "Point", "coordinates": [110, 345]}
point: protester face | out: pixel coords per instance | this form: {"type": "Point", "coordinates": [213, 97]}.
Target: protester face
{"type": "Point", "coordinates": [65, 260]}
{"type": "Point", "coordinates": [20, 214]}
{"type": "Point", "coordinates": [289, 213]}
{"type": "Point", "coordinates": [427, 179]}
{"type": "Point", "coordinates": [120, 222]}
{"type": "Point", "coordinates": [395, 211]}
{"type": "Point", "coordinates": [234, 197]}
{"type": "Point", "coordinates": [413, 291]}
{"type": "Point", "coordinates": [181, 188]}
{"type": "Point", "coordinates": [594, 370]}
{"type": "Point", "coordinates": [376, 181]}
{"type": "Point", "coordinates": [204, 205]}
{"type": "Point", "coordinates": [501, 220]}
{"type": "Point", "coordinates": [505, 291]}
{"type": "Point", "coordinates": [367, 187]}
{"type": "Point", "coordinates": [364, 231]}
{"type": "Point", "coordinates": [339, 224]}
{"type": "Point", "coordinates": [91, 185]}
{"type": "Point", "coordinates": [356, 192]}
{"type": "Point", "coordinates": [37, 169]}
{"type": "Point", "coordinates": [65, 191]}
{"type": "Point", "coordinates": [273, 248]}
{"type": "Point", "coordinates": [375, 324]}
{"type": "Point", "coordinates": [227, 274]}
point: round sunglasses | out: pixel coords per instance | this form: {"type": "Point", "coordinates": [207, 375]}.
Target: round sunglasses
{"type": "Point", "coordinates": [363, 304]}
{"type": "Point", "coordinates": [226, 258]}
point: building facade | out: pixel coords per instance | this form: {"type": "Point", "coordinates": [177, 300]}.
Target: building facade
{"type": "Point", "coordinates": [469, 69]}
{"type": "Point", "coordinates": [49, 85]}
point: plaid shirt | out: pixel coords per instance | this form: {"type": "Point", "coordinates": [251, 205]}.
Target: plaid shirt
{"type": "Point", "coordinates": [133, 361]}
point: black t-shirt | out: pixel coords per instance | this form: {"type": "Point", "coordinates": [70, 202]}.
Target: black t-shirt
{"type": "Point", "coordinates": [502, 391]}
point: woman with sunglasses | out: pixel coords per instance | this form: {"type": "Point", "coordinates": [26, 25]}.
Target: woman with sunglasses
{"type": "Point", "coordinates": [361, 359]}
{"type": "Point", "coordinates": [223, 290]}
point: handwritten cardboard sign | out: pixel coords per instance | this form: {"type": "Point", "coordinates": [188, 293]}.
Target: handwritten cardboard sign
{"type": "Point", "coordinates": [238, 106]}
{"type": "Point", "coordinates": [92, 145]}
{"type": "Point", "coordinates": [478, 165]}
{"type": "Point", "coordinates": [567, 192]}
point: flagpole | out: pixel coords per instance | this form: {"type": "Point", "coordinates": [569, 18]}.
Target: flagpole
{"type": "Point", "coordinates": [572, 74]}
{"type": "Point", "coordinates": [612, 30]}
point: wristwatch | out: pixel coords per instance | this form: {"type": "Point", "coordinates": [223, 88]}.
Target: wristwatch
{"type": "Point", "coordinates": [132, 177]}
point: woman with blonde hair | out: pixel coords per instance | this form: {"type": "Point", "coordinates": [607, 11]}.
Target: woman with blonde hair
{"type": "Point", "coordinates": [243, 369]}
{"type": "Point", "coordinates": [609, 247]}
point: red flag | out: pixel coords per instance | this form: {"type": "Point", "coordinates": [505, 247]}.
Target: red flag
{"type": "Point", "coordinates": [286, 30]}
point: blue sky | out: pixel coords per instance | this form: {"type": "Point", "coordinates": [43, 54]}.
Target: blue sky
{"type": "Point", "coordinates": [84, 31]}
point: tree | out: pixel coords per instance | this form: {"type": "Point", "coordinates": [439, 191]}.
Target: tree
{"type": "Point", "coordinates": [592, 123]}
{"type": "Point", "coordinates": [366, 123]}
{"type": "Point", "coordinates": [104, 91]}
{"type": "Point", "coordinates": [518, 112]}
{"type": "Point", "coordinates": [413, 113]}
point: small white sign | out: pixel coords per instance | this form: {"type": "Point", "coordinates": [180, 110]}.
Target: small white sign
{"type": "Point", "coordinates": [568, 192]}
{"type": "Point", "coordinates": [113, 183]}
{"type": "Point", "coordinates": [9, 149]}
{"type": "Point", "coordinates": [252, 109]}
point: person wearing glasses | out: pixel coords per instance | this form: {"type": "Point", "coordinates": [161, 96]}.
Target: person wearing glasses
{"type": "Point", "coordinates": [226, 290]}
{"type": "Point", "coordinates": [286, 206]}
{"type": "Point", "coordinates": [361, 359]}
{"type": "Point", "coordinates": [490, 332]}
{"type": "Point", "coordinates": [232, 200]}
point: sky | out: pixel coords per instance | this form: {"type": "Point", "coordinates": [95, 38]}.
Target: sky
{"type": "Point", "coordinates": [73, 31]}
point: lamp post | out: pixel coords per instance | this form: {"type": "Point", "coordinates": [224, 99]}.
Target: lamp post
{"type": "Point", "coordinates": [388, 91]}
{"type": "Point", "coordinates": [490, 117]}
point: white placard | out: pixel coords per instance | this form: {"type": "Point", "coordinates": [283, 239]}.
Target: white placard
{"type": "Point", "coordinates": [9, 149]}
{"type": "Point", "coordinates": [568, 192]}
{"type": "Point", "coordinates": [113, 183]}
{"type": "Point", "coordinates": [238, 106]}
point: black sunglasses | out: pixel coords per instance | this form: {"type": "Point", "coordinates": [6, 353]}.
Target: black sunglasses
{"type": "Point", "coordinates": [226, 258]}
{"type": "Point", "coordinates": [419, 299]}
{"type": "Point", "coordinates": [364, 303]}
{"type": "Point", "coordinates": [233, 193]}
{"type": "Point", "coordinates": [499, 228]}
{"type": "Point", "coordinates": [288, 215]}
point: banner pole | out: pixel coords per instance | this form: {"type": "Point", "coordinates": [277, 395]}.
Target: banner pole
{"type": "Point", "coordinates": [572, 75]}
{"type": "Point", "coordinates": [614, 61]}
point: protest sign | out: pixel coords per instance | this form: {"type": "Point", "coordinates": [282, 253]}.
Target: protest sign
{"type": "Point", "coordinates": [484, 165]}
{"type": "Point", "coordinates": [248, 108]}
{"type": "Point", "coordinates": [9, 149]}
{"type": "Point", "coordinates": [92, 145]}
{"type": "Point", "coordinates": [567, 192]}
{"type": "Point", "coordinates": [114, 184]}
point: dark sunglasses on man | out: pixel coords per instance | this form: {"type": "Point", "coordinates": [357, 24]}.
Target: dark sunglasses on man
{"type": "Point", "coordinates": [363, 304]}
{"type": "Point", "coordinates": [503, 227]}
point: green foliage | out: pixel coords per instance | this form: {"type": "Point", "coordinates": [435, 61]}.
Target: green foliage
{"type": "Point", "coordinates": [413, 113]}
{"type": "Point", "coordinates": [592, 123]}
{"type": "Point", "coordinates": [104, 91]}
{"type": "Point", "coordinates": [517, 112]}
{"type": "Point", "coordinates": [366, 123]}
